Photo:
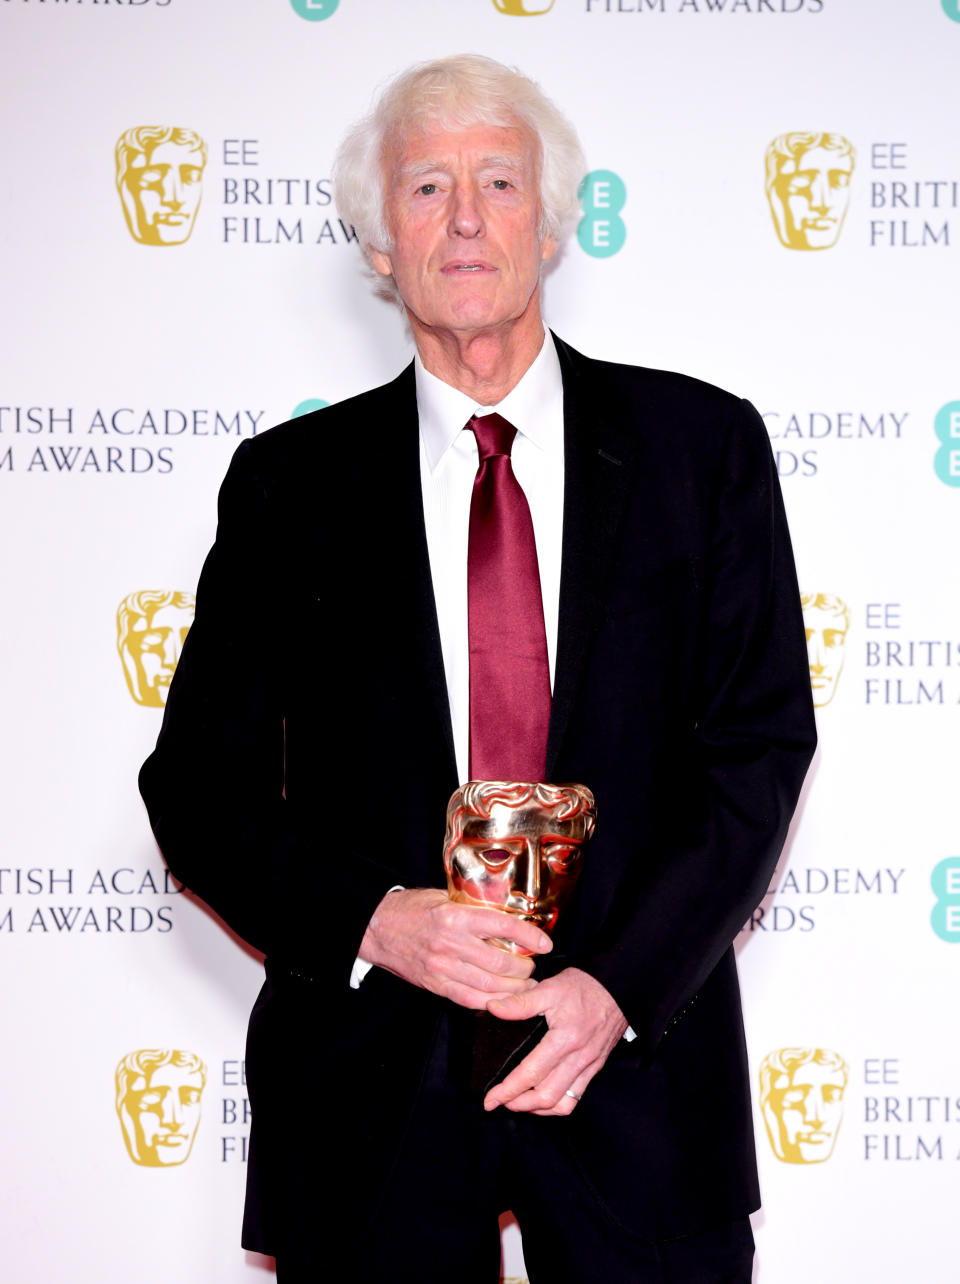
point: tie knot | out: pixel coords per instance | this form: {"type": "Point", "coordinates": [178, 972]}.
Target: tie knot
{"type": "Point", "coordinates": [494, 435]}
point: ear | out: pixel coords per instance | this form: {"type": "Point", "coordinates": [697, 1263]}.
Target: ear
{"type": "Point", "coordinates": [548, 248]}
{"type": "Point", "coordinates": [381, 262]}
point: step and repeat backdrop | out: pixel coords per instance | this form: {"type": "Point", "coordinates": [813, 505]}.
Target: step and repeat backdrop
{"type": "Point", "coordinates": [773, 204]}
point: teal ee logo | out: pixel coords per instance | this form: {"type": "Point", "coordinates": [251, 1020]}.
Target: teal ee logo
{"type": "Point", "coordinates": [952, 9]}
{"type": "Point", "coordinates": [946, 462]}
{"type": "Point", "coordinates": [602, 196]}
{"type": "Point", "coordinates": [315, 10]}
{"type": "Point", "coordinates": [307, 407]}
{"type": "Point", "coordinates": [945, 915]}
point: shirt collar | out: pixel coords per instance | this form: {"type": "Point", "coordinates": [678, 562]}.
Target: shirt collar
{"type": "Point", "coordinates": [534, 406]}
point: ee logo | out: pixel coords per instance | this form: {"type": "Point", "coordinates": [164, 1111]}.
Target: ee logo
{"type": "Point", "coordinates": [315, 10]}
{"type": "Point", "coordinates": [952, 9]}
{"type": "Point", "coordinates": [602, 231]}
{"type": "Point", "coordinates": [308, 406]}
{"type": "Point", "coordinates": [946, 461]}
{"type": "Point", "coordinates": [945, 915]}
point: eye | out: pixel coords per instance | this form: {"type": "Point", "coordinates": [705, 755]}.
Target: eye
{"type": "Point", "coordinates": [561, 859]}
{"type": "Point", "coordinates": [427, 189]}
{"type": "Point", "coordinates": [495, 856]}
{"type": "Point", "coordinates": [500, 184]}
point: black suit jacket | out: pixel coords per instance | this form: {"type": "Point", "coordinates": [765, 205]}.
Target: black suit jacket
{"type": "Point", "coordinates": [306, 759]}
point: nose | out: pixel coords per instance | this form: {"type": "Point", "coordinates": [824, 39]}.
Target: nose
{"type": "Point", "coordinates": [527, 875]}
{"type": "Point", "coordinates": [172, 1115]}
{"type": "Point", "coordinates": [465, 217]}
{"type": "Point", "coordinates": [813, 1108]}
{"type": "Point", "coordinates": [820, 193]}
{"type": "Point", "coordinates": [815, 654]}
{"type": "Point", "coordinates": [172, 188]}
{"type": "Point", "coordinates": [172, 644]}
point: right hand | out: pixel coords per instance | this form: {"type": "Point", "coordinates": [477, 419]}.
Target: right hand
{"type": "Point", "coordinates": [419, 934]}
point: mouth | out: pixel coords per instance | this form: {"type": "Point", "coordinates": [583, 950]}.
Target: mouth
{"type": "Point", "coordinates": [463, 269]}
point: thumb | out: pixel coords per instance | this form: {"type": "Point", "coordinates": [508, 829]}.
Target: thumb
{"type": "Point", "coordinates": [515, 1007]}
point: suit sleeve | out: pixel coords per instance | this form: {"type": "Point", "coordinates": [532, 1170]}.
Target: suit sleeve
{"type": "Point", "coordinates": [214, 785]}
{"type": "Point", "coordinates": [752, 742]}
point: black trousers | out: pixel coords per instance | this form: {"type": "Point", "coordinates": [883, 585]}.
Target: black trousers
{"type": "Point", "coordinates": [460, 1168]}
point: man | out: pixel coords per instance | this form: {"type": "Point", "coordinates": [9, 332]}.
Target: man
{"type": "Point", "coordinates": [160, 181]}
{"type": "Point", "coordinates": [808, 187]}
{"type": "Point", "coordinates": [311, 815]}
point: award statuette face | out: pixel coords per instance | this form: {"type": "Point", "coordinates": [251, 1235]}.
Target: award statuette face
{"type": "Point", "coordinates": [514, 846]}
{"type": "Point", "coordinates": [517, 846]}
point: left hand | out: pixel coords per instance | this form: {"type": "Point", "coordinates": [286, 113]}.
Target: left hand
{"type": "Point", "coordinates": [585, 1025]}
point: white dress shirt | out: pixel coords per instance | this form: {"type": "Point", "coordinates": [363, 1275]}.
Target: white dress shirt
{"type": "Point", "coordinates": [448, 466]}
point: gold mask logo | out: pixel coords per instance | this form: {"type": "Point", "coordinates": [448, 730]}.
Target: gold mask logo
{"type": "Point", "coordinates": [151, 628]}
{"type": "Point", "coordinates": [523, 8]}
{"type": "Point", "coordinates": [826, 619]}
{"type": "Point", "coordinates": [160, 181]}
{"type": "Point", "coordinates": [808, 188]}
{"type": "Point", "coordinates": [801, 1097]}
{"type": "Point", "coordinates": [158, 1103]}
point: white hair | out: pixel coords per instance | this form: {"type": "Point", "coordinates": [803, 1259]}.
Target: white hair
{"type": "Point", "coordinates": [453, 93]}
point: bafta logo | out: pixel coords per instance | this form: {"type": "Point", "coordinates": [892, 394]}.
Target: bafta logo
{"type": "Point", "coordinates": [801, 1097]}
{"type": "Point", "coordinates": [158, 1102]}
{"type": "Point", "coordinates": [160, 181]}
{"type": "Point", "coordinates": [151, 628]}
{"type": "Point", "coordinates": [808, 187]}
{"type": "Point", "coordinates": [825, 620]}
{"type": "Point", "coordinates": [524, 8]}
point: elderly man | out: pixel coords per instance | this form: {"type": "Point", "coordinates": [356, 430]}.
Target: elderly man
{"type": "Point", "coordinates": [512, 562]}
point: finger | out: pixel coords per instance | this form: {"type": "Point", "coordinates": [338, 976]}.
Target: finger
{"type": "Point", "coordinates": [469, 985]}
{"type": "Point", "coordinates": [500, 924]}
{"type": "Point", "coordinates": [520, 1006]}
{"type": "Point", "coordinates": [570, 1097]}
{"type": "Point", "coordinates": [537, 1068]}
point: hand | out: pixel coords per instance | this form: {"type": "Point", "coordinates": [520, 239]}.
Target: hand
{"type": "Point", "coordinates": [585, 1024]}
{"type": "Point", "coordinates": [422, 936]}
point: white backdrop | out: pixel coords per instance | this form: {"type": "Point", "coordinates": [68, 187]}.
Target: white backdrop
{"type": "Point", "coordinates": [129, 372]}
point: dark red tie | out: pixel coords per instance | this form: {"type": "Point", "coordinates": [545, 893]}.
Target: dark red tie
{"type": "Point", "coordinates": [509, 671]}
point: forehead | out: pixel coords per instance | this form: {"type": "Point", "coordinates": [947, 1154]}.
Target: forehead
{"type": "Point", "coordinates": [530, 818]}
{"type": "Point", "coordinates": [819, 158]}
{"type": "Point", "coordinates": [813, 1074]}
{"type": "Point", "coordinates": [824, 617]}
{"type": "Point", "coordinates": [171, 153]}
{"type": "Point", "coordinates": [436, 145]}
{"type": "Point", "coordinates": [169, 1076]}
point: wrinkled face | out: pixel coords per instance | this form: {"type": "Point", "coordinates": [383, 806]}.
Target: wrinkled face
{"type": "Point", "coordinates": [162, 193]}
{"type": "Point", "coordinates": [522, 860]}
{"type": "Point", "coordinates": [155, 645]}
{"type": "Point", "coordinates": [813, 190]}
{"type": "Point", "coordinates": [165, 1113]}
{"type": "Point", "coordinates": [808, 1108]}
{"type": "Point", "coordinates": [463, 211]}
{"type": "Point", "coordinates": [826, 636]}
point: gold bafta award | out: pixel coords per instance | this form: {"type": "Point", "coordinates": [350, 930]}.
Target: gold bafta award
{"type": "Point", "coordinates": [516, 846]}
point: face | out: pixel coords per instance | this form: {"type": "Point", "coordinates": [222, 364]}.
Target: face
{"type": "Point", "coordinates": [522, 860]}
{"type": "Point", "coordinates": [165, 1115]}
{"type": "Point", "coordinates": [813, 190]}
{"type": "Point", "coordinates": [808, 1111]}
{"type": "Point", "coordinates": [163, 193]}
{"type": "Point", "coordinates": [826, 634]}
{"type": "Point", "coordinates": [155, 644]}
{"type": "Point", "coordinates": [463, 210]}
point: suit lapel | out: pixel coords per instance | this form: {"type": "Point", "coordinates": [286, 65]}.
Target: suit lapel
{"type": "Point", "coordinates": [600, 458]}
